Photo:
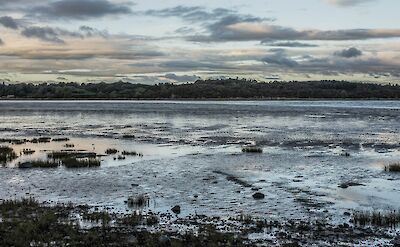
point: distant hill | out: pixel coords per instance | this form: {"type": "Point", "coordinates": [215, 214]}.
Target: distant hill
{"type": "Point", "coordinates": [203, 89]}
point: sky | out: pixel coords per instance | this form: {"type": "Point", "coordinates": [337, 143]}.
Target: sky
{"type": "Point", "coordinates": [157, 41]}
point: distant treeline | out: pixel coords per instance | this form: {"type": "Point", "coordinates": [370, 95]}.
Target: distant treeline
{"type": "Point", "coordinates": [203, 89]}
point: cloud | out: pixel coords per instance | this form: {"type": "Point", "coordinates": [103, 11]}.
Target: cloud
{"type": "Point", "coordinates": [54, 35]}
{"type": "Point", "coordinates": [91, 32]}
{"type": "Point", "coordinates": [80, 9]}
{"type": "Point", "coordinates": [193, 13]}
{"type": "Point", "coordinates": [289, 44]}
{"type": "Point", "coordinates": [349, 53]}
{"type": "Point", "coordinates": [252, 29]}
{"type": "Point", "coordinates": [8, 22]}
{"type": "Point", "coordinates": [193, 65]}
{"type": "Point", "coordinates": [80, 51]}
{"type": "Point", "coordinates": [279, 57]}
{"type": "Point", "coordinates": [181, 78]}
{"type": "Point", "coordinates": [347, 3]}
{"type": "Point", "coordinates": [44, 33]}
{"type": "Point", "coordinates": [227, 25]}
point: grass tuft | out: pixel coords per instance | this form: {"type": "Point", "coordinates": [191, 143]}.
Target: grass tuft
{"type": "Point", "coordinates": [393, 167]}
{"type": "Point", "coordinates": [7, 154]}
{"type": "Point", "coordinates": [252, 150]}
{"type": "Point", "coordinates": [80, 163]}
{"type": "Point", "coordinates": [111, 151]}
{"type": "Point", "coordinates": [131, 153]}
{"type": "Point", "coordinates": [39, 164]}
{"type": "Point", "coordinates": [138, 201]}
{"type": "Point", "coordinates": [375, 218]}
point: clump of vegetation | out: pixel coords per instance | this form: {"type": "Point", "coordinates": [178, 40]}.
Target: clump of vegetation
{"type": "Point", "coordinates": [345, 154]}
{"type": "Point", "coordinates": [39, 164]}
{"type": "Point", "coordinates": [138, 201]}
{"type": "Point", "coordinates": [252, 149]}
{"type": "Point", "coordinates": [7, 205]}
{"type": "Point", "coordinates": [120, 157]}
{"type": "Point", "coordinates": [152, 220]}
{"type": "Point", "coordinates": [70, 154]}
{"type": "Point", "coordinates": [28, 151]}
{"type": "Point", "coordinates": [41, 140]}
{"type": "Point", "coordinates": [393, 167]}
{"type": "Point", "coordinates": [103, 217]}
{"type": "Point", "coordinates": [111, 151]}
{"type": "Point", "coordinates": [128, 136]}
{"type": "Point", "coordinates": [7, 154]}
{"type": "Point", "coordinates": [80, 163]}
{"type": "Point", "coordinates": [61, 139]}
{"type": "Point", "coordinates": [131, 153]}
{"type": "Point", "coordinates": [133, 219]}
{"type": "Point", "coordinates": [375, 218]}
{"type": "Point", "coordinates": [27, 223]}
{"type": "Point", "coordinates": [13, 141]}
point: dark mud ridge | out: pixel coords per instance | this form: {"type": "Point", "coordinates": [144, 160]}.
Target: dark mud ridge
{"type": "Point", "coordinates": [29, 223]}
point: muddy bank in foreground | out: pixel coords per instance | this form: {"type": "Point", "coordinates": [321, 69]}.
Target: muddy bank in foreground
{"type": "Point", "coordinates": [29, 223]}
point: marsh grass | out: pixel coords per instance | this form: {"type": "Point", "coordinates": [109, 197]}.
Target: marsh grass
{"type": "Point", "coordinates": [7, 154]}
{"type": "Point", "coordinates": [103, 217]}
{"type": "Point", "coordinates": [39, 164]}
{"type": "Point", "coordinates": [138, 201]}
{"type": "Point", "coordinates": [41, 140]}
{"type": "Point", "coordinates": [61, 139]}
{"type": "Point", "coordinates": [131, 153]}
{"type": "Point", "coordinates": [80, 163]}
{"type": "Point", "coordinates": [128, 136]}
{"type": "Point", "coordinates": [7, 205]}
{"type": "Point", "coordinates": [393, 167]}
{"type": "Point", "coordinates": [27, 151]}
{"type": "Point", "coordinates": [70, 154]}
{"type": "Point", "coordinates": [28, 223]}
{"type": "Point", "coordinates": [111, 151]}
{"type": "Point", "coordinates": [13, 141]}
{"type": "Point", "coordinates": [376, 218]}
{"type": "Point", "coordinates": [252, 150]}
{"type": "Point", "coordinates": [152, 220]}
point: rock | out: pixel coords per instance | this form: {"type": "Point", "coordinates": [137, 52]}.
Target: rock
{"type": "Point", "coordinates": [349, 184]}
{"type": "Point", "coordinates": [176, 209]}
{"type": "Point", "coordinates": [347, 213]}
{"type": "Point", "coordinates": [164, 240]}
{"type": "Point", "coordinates": [25, 165]}
{"type": "Point", "coordinates": [258, 196]}
{"type": "Point", "coordinates": [396, 241]}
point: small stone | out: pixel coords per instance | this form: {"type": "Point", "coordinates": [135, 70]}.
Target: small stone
{"type": "Point", "coordinates": [258, 196]}
{"type": "Point", "coordinates": [164, 240]}
{"type": "Point", "coordinates": [176, 209]}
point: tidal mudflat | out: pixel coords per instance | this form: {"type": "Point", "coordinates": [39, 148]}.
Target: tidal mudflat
{"type": "Point", "coordinates": [268, 172]}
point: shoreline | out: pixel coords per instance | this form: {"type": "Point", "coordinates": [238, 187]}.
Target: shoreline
{"type": "Point", "coordinates": [199, 99]}
{"type": "Point", "coordinates": [26, 221]}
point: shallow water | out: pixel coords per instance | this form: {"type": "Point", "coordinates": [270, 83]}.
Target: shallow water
{"type": "Point", "coordinates": [190, 148]}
